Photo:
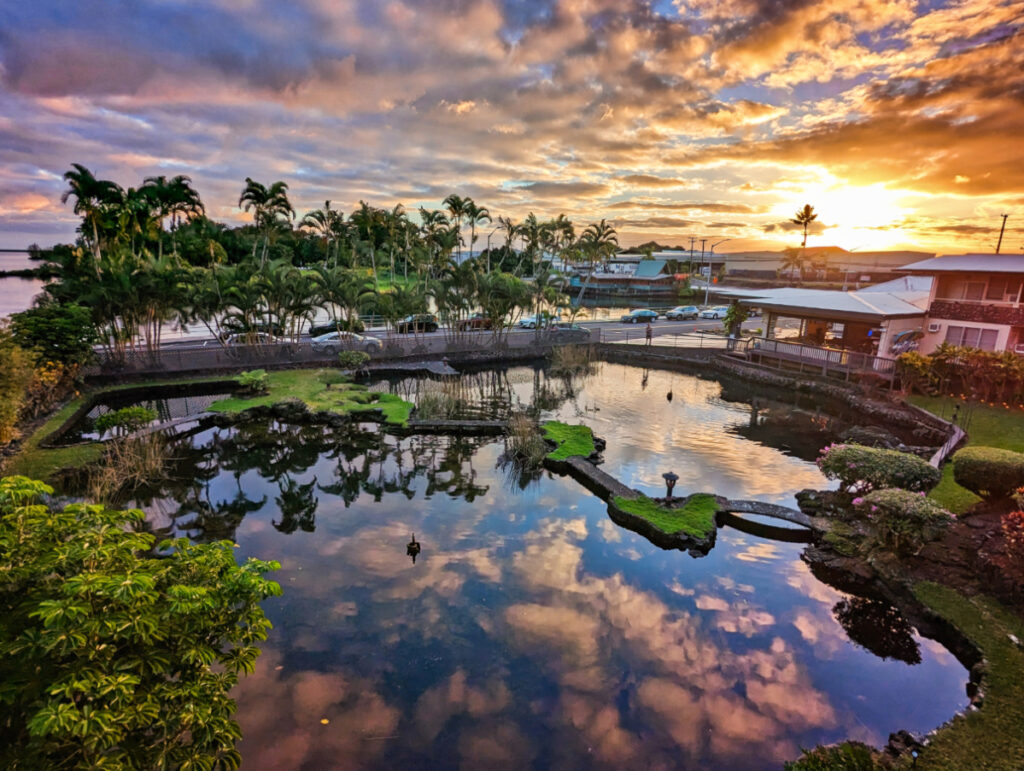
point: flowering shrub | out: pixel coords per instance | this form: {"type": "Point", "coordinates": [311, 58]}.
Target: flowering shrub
{"type": "Point", "coordinates": [1013, 533]}
{"type": "Point", "coordinates": [868, 468]}
{"type": "Point", "coordinates": [904, 521]}
{"type": "Point", "coordinates": [988, 471]}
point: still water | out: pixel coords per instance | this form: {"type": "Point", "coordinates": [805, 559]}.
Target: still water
{"type": "Point", "coordinates": [531, 631]}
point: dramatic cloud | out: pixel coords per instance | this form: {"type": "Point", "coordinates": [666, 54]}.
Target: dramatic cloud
{"type": "Point", "coordinates": [898, 121]}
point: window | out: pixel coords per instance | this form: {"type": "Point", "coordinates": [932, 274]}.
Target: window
{"type": "Point", "coordinates": [972, 337]}
{"type": "Point", "coordinates": [975, 290]}
{"type": "Point", "coordinates": [1003, 290]}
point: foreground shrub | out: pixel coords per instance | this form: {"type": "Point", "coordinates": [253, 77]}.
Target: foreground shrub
{"type": "Point", "coordinates": [903, 521]}
{"type": "Point", "coordinates": [128, 464]}
{"type": "Point", "coordinates": [988, 471]}
{"type": "Point", "coordinates": [113, 659]}
{"type": "Point", "coordinates": [869, 468]}
{"type": "Point", "coordinates": [254, 381]}
{"type": "Point", "coordinates": [353, 359]}
{"type": "Point", "coordinates": [15, 376]}
{"type": "Point", "coordinates": [125, 420]}
{"type": "Point", "coordinates": [571, 359]}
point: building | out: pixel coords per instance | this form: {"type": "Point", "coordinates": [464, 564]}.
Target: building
{"type": "Point", "coordinates": [822, 263]}
{"type": "Point", "coordinates": [641, 277]}
{"type": "Point", "coordinates": [872, 320]}
{"type": "Point", "coordinates": [975, 300]}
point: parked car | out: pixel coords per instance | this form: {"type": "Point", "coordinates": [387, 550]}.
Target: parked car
{"type": "Point", "coordinates": [335, 342]}
{"type": "Point", "coordinates": [323, 329]}
{"type": "Point", "coordinates": [417, 322]}
{"type": "Point", "coordinates": [682, 312]}
{"type": "Point", "coordinates": [532, 322]}
{"type": "Point", "coordinates": [718, 312]}
{"type": "Point", "coordinates": [642, 316]}
{"type": "Point", "coordinates": [250, 338]}
{"type": "Point", "coordinates": [476, 321]}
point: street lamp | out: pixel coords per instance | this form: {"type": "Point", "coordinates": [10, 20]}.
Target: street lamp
{"type": "Point", "coordinates": [489, 247]}
{"type": "Point", "coordinates": [711, 262]}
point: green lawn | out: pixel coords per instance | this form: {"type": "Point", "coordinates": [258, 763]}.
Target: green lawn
{"type": "Point", "coordinates": [985, 426]}
{"type": "Point", "coordinates": [570, 440]}
{"type": "Point", "coordinates": [993, 737]}
{"type": "Point", "coordinates": [321, 390]}
{"type": "Point", "coordinates": [696, 517]}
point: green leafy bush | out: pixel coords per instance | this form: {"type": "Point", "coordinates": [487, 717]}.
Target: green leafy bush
{"type": "Point", "coordinates": [124, 420]}
{"type": "Point", "coordinates": [353, 359]}
{"type": "Point", "coordinates": [113, 659]}
{"type": "Point", "coordinates": [57, 333]}
{"type": "Point", "coordinates": [904, 521]}
{"type": "Point", "coordinates": [988, 471]}
{"type": "Point", "coordinates": [869, 468]}
{"type": "Point", "coordinates": [254, 381]}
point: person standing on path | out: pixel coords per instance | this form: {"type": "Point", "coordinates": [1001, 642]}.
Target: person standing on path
{"type": "Point", "coordinates": [649, 333]}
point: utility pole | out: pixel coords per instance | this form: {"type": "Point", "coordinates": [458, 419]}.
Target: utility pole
{"type": "Point", "coordinates": [692, 241]}
{"type": "Point", "coordinates": [1000, 243]}
{"type": "Point", "coordinates": [707, 285]}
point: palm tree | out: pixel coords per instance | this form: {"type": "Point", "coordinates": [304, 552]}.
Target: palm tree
{"type": "Point", "coordinates": [456, 206]}
{"type": "Point", "coordinates": [172, 198]}
{"type": "Point", "coordinates": [367, 221]}
{"type": "Point", "coordinates": [328, 223]}
{"type": "Point", "coordinates": [93, 197]}
{"type": "Point", "coordinates": [475, 214]}
{"type": "Point", "coordinates": [794, 259]}
{"type": "Point", "coordinates": [805, 217]}
{"type": "Point", "coordinates": [599, 242]}
{"type": "Point", "coordinates": [269, 205]}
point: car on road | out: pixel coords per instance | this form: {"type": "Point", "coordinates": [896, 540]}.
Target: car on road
{"type": "Point", "coordinates": [336, 342]}
{"type": "Point", "coordinates": [322, 329]}
{"type": "Point", "coordinates": [236, 330]}
{"type": "Point", "coordinates": [718, 312]}
{"type": "Point", "coordinates": [476, 321]}
{"type": "Point", "coordinates": [532, 322]}
{"type": "Point", "coordinates": [417, 322]}
{"type": "Point", "coordinates": [682, 312]}
{"type": "Point", "coordinates": [641, 316]}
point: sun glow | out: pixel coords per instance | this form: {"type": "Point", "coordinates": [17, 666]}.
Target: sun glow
{"type": "Point", "coordinates": [855, 217]}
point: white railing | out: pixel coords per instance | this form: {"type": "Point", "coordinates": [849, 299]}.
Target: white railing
{"type": "Point", "coordinates": [825, 358]}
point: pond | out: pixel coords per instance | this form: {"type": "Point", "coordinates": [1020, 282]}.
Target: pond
{"type": "Point", "coordinates": [531, 631]}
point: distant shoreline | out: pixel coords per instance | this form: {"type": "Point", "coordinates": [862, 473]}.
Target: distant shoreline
{"type": "Point", "coordinates": [38, 273]}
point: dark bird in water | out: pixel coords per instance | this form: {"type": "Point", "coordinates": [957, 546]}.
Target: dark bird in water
{"type": "Point", "coordinates": [669, 396]}
{"type": "Point", "coordinates": [413, 548]}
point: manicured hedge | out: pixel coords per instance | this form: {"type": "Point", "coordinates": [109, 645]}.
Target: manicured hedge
{"type": "Point", "coordinates": [869, 468]}
{"type": "Point", "coordinates": [989, 471]}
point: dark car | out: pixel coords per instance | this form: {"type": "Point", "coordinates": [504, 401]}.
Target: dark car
{"type": "Point", "coordinates": [476, 321]}
{"type": "Point", "coordinates": [417, 322]}
{"type": "Point", "coordinates": [682, 312]}
{"type": "Point", "coordinates": [323, 329]}
{"type": "Point", "coordinates": [639, 317]}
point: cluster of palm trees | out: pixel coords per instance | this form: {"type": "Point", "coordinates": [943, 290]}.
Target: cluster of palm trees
{"type": "Point", "coordinates": [147, 256]}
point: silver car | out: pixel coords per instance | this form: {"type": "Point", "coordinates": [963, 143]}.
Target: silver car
{"type": "Point", "coordinates": [714, 313]}
{"type": "Point", "coordinates": [338, 341]}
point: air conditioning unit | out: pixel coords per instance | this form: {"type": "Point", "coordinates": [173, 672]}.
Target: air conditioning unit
{"type": "Point", "coordinates": [935, 327]}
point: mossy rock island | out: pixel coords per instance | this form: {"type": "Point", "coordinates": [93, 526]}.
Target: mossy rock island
{"type": "Point", "coordinates": [687, 523]}
{"type": "Point", "coordinates": [323, 392]}
{"type": "Point", "coordinates": [571, 442]}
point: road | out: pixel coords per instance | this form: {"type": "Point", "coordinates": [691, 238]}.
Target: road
{"type": "Point", "coordinates": [611, 331]}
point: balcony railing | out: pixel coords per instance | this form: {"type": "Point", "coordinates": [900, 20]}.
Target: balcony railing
{"type": "Point", "coordinates": [981, 312]}
{"type": "Point", "coordinates": [825, 359]}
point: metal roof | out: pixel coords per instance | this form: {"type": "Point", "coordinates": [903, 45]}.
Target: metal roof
{"type": "Point", "coordinates": [969, 263]}
{"type": "Point", "coordinates": [829, 304]}
{"type": "Point", "coordinates": [649, 268]}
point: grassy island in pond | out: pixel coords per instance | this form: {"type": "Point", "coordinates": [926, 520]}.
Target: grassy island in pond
{"type": "Point", "coordinates": [320, 390]}
{"type": "Point", "coordinates": [695, 517]}
{"type": "Point", "coordinates": [570, 440]}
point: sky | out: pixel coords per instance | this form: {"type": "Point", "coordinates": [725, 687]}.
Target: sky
{"type": "Point", "coordinates": [900, 122]}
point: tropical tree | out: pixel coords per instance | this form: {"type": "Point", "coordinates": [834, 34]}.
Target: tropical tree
{"type": "Point", "coordinates": [174, 198]}
{"type": "Point", "coordinates": [93, 199]}
{"type": "Point", "coordinates": [794, 260]}
{"type": "Point", "coordinates": [598, 242]}
{"type": "Point", "coordinates": [804, 217]}
{"type": "Point", "coordinates": [457, 207]}
{"type": "Point", "coordinates": [329, 225]}
{"type": "Point", "coordinates": [475, 215]}
{"type": "Point", "coordinates": [270, 206]}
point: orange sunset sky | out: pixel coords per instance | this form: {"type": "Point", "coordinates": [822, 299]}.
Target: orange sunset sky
{"type": "Point", "coordinates": [901, 122]}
